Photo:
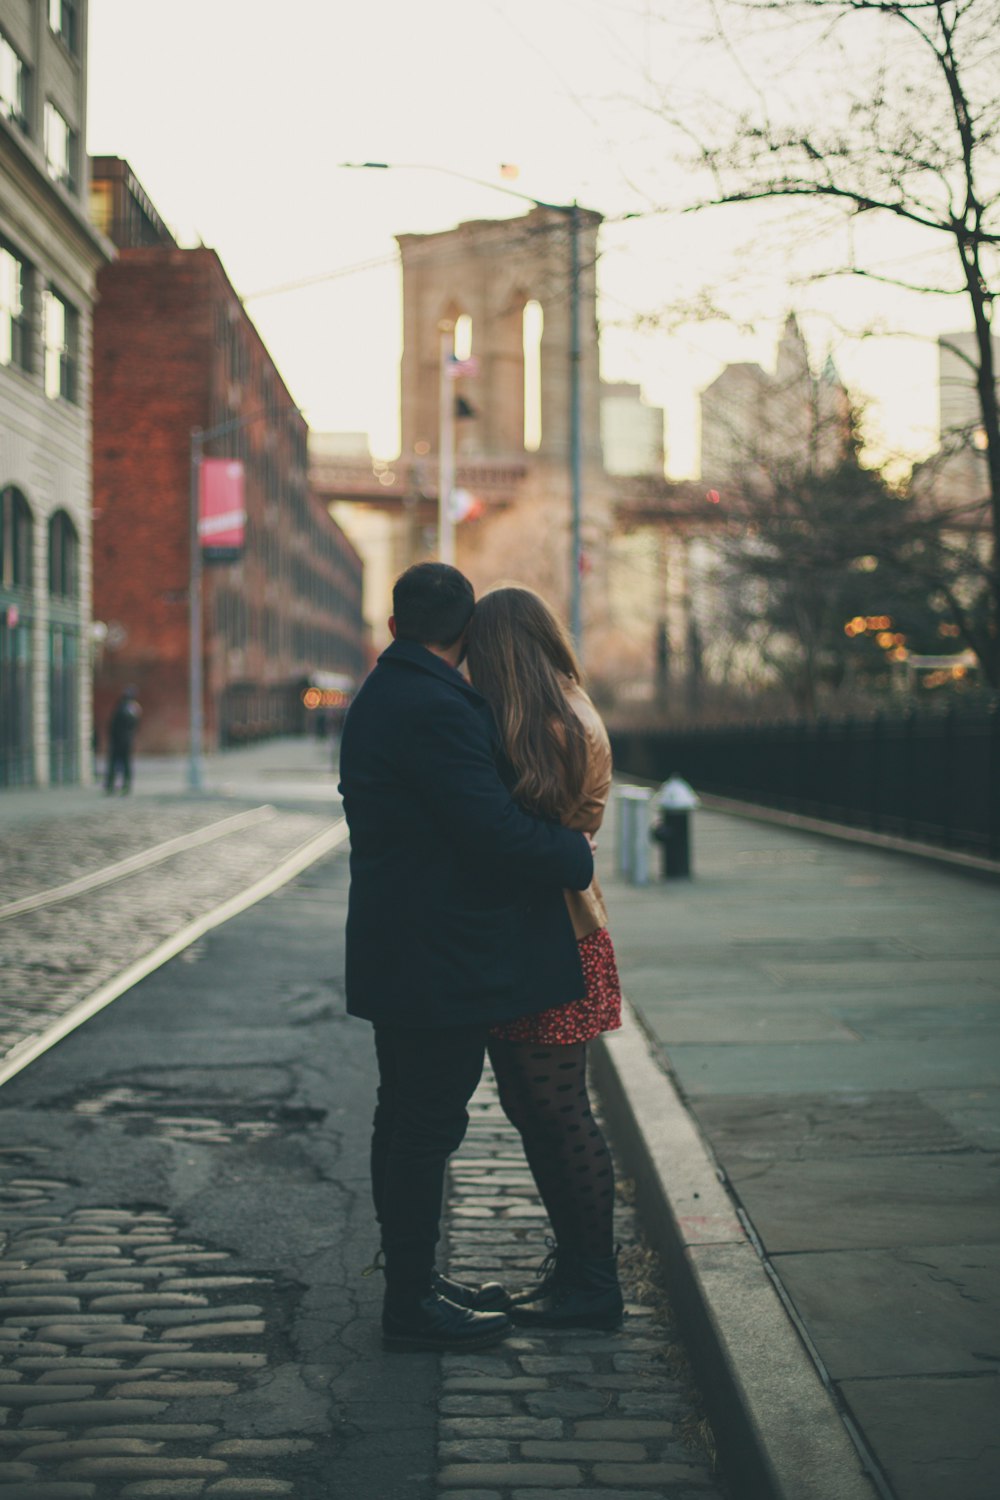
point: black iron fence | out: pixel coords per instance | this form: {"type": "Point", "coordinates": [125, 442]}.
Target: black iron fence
{"type": "Point", "coordinates": [932, 777]}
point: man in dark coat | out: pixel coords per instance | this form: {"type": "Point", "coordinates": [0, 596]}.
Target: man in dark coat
{"type": "Point", "coordinates": [122, 726]}
{"type": "Point", "coordinates": [456, 920]}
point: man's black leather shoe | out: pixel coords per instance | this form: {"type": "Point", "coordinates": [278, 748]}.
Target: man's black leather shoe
{"type": "Point", "coordinates": [434, 1323]}
{"type": "Point", "coordinates": [489, 1297]}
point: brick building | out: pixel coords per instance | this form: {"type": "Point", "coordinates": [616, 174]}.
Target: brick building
{"type": "Point", "coordinates": [49, 257]}
{"type": "Point", "coordinates": [174, 351]}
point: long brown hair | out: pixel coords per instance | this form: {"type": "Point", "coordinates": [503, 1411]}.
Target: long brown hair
{"type": "Point", "coordinates": [519, 656]}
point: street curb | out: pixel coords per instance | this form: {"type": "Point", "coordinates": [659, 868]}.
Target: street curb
{"type": "Point", "coordinates": [779, 1432]}
{"type": "Point", "coordinates": [955, 859]}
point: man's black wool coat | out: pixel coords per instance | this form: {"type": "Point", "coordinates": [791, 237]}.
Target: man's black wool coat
{"type": "Point", "coordinates": [456, 914]}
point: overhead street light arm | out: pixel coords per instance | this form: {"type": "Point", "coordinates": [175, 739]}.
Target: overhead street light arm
{"type": "Point", "coordinates": [421, 166]}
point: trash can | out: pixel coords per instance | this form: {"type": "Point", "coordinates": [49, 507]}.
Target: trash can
{"type": "Point", "coordinates": [675, 801]}
{"type": "Point", "coordinates": [632, 816]}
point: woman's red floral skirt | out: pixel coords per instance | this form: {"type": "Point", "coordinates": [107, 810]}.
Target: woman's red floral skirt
{"type": "Point", "coordinates": [580, 1020]}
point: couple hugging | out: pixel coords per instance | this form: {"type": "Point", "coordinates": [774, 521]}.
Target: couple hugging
{"type": "Point", "coordinates": [475, 926]}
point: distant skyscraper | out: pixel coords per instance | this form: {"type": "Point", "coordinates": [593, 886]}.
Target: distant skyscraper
{"type": "Point", "coordinates": [959, 408]}
{"type": "Point", "coordinates": [755, 423]}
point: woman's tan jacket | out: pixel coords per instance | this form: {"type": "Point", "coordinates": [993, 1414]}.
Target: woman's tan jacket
{"type": "Point", "coordinates": [586, 908]}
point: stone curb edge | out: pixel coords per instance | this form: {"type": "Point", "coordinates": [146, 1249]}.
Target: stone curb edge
{"type": "Point", "coordinates": [779, 1432]}
{"type": "Point", "coordinates": [971, 864]}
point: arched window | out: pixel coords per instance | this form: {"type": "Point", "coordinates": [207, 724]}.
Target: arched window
{"type": "Point", "coordinates": [64, 548]}
{"type": "Point", "coordinates": [17, 755]}
{"type": "Point", "coordinates": [532, 322]}
{"type": "Point", "coordinates": [15, 540]}
{"type": "Point", "coordinates": [463, 337]}
{"type": "Point", "coordinates": [64, 650]}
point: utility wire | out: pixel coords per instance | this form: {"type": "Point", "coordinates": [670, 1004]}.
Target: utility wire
{"type": "Point", "coordinates": [294, 286]}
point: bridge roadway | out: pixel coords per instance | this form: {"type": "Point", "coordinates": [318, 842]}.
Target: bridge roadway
{"type": "Point", "coordinates": [639, 500]}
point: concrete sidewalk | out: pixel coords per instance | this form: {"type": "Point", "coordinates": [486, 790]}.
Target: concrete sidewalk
{"type": "Point", "coordinates": [291, 771]}
{"type": "Point", "coordinates": [831, 1017]}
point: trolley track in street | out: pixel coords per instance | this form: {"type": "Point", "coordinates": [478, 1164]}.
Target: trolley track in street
{"type": "Point", "coordinates": [144, 860]}
{"type": "Point", "coordinates": [80, 944]}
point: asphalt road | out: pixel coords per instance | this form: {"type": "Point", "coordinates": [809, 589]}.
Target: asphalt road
{"type": "Point", "coordinates": [211, 1125]}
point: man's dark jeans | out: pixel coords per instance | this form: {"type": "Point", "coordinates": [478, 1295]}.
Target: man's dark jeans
{"type": "Point", "coordinates": [427, 1075]}
{"type": "Point", "coordinates": [119, 760]}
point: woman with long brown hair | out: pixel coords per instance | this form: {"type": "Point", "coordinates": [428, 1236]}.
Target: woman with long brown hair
{"type": "Point", "coordinates": [558, 767]}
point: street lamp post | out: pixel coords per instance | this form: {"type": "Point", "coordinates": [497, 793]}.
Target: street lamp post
{"type": "Point", "coordinates": [195, 682]}
{"type": "Point", "coordinates": [446, 444]}
{"type": "Point", "coordinates": [575, 436]}
{"type": "Point", "coordinates": [571, 212]}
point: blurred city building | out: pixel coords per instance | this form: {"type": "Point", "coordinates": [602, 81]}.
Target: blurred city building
{"type": "Point", "coordinates": [49, 259]}
{"type": "Point", "coordinates": [631, 431]}
{"type": "Point", "coordinates": [760, 429]}
{"type": "Point", "coordinates": [120, 208]}
{"type": "Point", "coordinates": [381, 542]}
{"type": "Point", "coordinates": [755, 422]}
{"type": "Point", "coordinates": [956, 477]}
{"type": "Point", "coordinates": [174, 350]}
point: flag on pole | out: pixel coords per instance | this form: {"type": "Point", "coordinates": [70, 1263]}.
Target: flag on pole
{"type": "Point", "coordinates": [457, 367]}
{"type": "Point", "coordinates": [466, 507]}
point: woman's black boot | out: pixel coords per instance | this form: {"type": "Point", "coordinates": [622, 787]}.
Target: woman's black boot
{"type": "Point", "coordinates": [554, 1266]}
{"type": "Point", "coordinates": [585, 1294]}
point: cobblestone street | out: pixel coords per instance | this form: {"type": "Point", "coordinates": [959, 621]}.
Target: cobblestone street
{"type": "Point", "coordinates": [603, 1416]}
{"type": "Point", "coordinates": [111, 1318]}
{"type": "Point", "coordinates": [53, 958]}
{"type": "Point", "coordinates": [184, 1217]}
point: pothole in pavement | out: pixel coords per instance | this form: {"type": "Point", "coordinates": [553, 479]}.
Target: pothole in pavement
{"type": "Point", "coordinates": [129, 1353]}
{"type": "Point", "coordinates": [208, 1121]}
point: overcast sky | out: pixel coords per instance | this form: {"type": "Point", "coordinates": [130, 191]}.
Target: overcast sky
{"type": "Point", "coordinates": [235, 115]}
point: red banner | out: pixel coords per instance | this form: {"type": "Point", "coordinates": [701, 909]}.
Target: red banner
{"type": "Point", "coordinates": [222, 514]}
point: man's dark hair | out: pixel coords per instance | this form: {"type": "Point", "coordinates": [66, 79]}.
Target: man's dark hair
{"type": "Point", "coordinates": [432, 604]}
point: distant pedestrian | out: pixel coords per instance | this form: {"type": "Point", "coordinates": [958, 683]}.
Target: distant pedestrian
{"type": "Point", "coordinates": [559, 763]}
{"type": "Point", "coordinates": [456, 920]}
{"type": "Point", "coordinates": [122, 726]}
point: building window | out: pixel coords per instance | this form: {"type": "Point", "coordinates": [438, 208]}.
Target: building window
{"type": "Point", "coordinates": [13, 85]}
{"type": "Point", "coordinates": [60, 326]}
{"type": "Point", "coordinates": [463, 337]}
{"type": "Point", "coordinates": [15, 540]}
{"type": "Point", "coordinates": [102, 206]}
{"type": "Point", "coordinates": [64, 23]}
{"type": "Point", "coordinates": [60, 147]}
{"type": "Point", "coordinates": [15, 345]}
{"type": "Point", "coordinates": [64, 573]}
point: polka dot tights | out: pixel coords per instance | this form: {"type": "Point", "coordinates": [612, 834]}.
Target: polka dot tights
{"type": "Point", "coordinates": [543, 1091]}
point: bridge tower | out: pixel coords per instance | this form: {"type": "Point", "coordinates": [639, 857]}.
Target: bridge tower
{"type": "Point", "coordinates": [509, 282]}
